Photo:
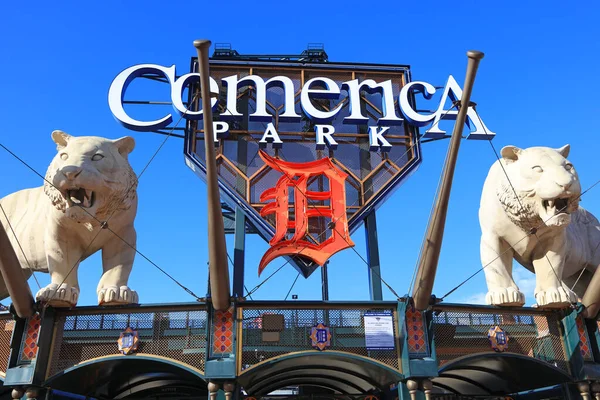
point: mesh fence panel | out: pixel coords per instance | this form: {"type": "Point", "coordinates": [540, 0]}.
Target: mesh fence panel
{"type": "Point", "coordinates": [347, 330]}
{"type": "Point", "coordinates": [460, 332]}
{"type": "Point", "coordinates": [179, 335]}
{"type": "Point", "coordinates": [7, 325]}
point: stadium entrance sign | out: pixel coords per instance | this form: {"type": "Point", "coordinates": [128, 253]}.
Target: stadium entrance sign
{"type": "Point", "coordinates": [314, 89]}
{"type": "Point", "coordinates": [306, 151]}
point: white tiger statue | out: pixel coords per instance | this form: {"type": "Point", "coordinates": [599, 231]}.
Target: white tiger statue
{"type": "Point", "coordinates": [542, 227]}
{"type": "Point", "coordinates": [59, 224]}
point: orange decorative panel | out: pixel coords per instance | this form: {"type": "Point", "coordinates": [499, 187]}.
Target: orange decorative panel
{"type": "Point", "coordinates": [584, 341]}
{"type": "Point", "coordinates": [296, 180]}
{"type": "Point", "coordinates": [417, 335]}
{"type": "Point", "coordinates": [29, 346]}
{"type": "Point", "coordinates": [222, 332]}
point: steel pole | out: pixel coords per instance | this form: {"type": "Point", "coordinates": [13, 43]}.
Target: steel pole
{"type": "Point", "coordinates": [430, 255]}
{"type": "Point", "coordinates": [324, 282]}
{"type": "Point", "coordinates": [15, 281]}
{"type": "Point", "coordinates": [217, 250]}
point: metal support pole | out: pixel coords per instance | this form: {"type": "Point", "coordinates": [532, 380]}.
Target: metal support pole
{"type": "Point", "coordinates": [240, 218]}
{"type": "Point", "coordinates": [239, 253]}
{"type": "Point", "coordinates": [217, 250]}
{"type": "Point", "coordinates": [15, 281]}
{"type": "Point", "coordinates": [324, 282]}
{"type": "Point", "coordinates": [375, 289]}
{"type": "Point", "coordinates": [429, 257]}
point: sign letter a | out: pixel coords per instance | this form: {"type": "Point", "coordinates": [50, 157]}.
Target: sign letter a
{"type": "Point", "coordinates": [270, 136]}
{"type": "Point", "coordinates": [453, 92]}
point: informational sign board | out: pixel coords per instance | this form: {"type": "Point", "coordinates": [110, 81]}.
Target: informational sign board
{"type": "Point", "coordinates": [379, 331]}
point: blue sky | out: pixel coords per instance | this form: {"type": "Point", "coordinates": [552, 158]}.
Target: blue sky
{"type": "Point", "coordinates": [537, 85]}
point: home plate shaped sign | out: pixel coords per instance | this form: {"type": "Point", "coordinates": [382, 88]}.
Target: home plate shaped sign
{"type": "Point", "coordinates": [305, 150]}
{"type": "Point", "coordinates": [269, 122]}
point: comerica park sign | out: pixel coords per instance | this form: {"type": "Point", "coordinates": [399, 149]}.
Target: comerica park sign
{"type": "Point", "coordinates": [305, 150]}
{"type": "Point", "coordinates": [395, 110]}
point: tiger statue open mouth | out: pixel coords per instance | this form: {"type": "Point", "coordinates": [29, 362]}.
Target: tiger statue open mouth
{"type": "Point", "coordinates": [79, 196]}
{"type": "Point", "coordinates": [88, 182]}
{"type": "Point", "coordinates": [530, 212]}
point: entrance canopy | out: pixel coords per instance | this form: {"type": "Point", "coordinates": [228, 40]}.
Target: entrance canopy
{"type": "Point", "coordinates": [340, 372]}
{"type": "Point", "coordinates": [497, 374]}
{"type": "Point", "coordinates": [123, 377]}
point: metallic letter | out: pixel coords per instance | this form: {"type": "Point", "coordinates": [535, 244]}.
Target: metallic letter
{"type": "Point", "coordinates": [176, 92]}
{"type": "Point", "coordinates": [387, 101]}
{"type": "Point", "coordinates": [413, 117]}
{"type": "Point", "coordinates": [261, 97]}
{"type": "Point", "coordinates": [272, 135]}
{"type": "Point", "coordinates": [376, 136]}
{"type": "Point", "coordinates": [218, 128]}
{"type": "Point", "coordinates": [295, 177]}
{"type": "Point", "coordinates": [454, 91]}
{"type": "Point", "coordinates": [117, 92]}
{"type": "Point", "coordinates": [325, 132]}
{"type": "Point", "coordinates": [332, 91]}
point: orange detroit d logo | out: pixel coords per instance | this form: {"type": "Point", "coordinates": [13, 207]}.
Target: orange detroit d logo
{"type": "Point", "coordinates": [296, 178]}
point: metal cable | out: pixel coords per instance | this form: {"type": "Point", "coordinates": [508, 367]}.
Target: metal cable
{"type": "Point", "coordinates": [432, 209]}
{"type": "Point", "coordinates": [270, 276]}
{"type": "Point", "coordinates": [332, 226]}
{"type": "Point", "coordinates": [233, 265]}
{"type": "Point", "coordinates": [511, 247]}
{"type": "Point", "coordinates": [514, 190]}
{"type": "Point", "coordinates": [532, 231]}
{"type": "Point", "coordinates": [104, 224]}
{"type": "Point", "coordinates": [292, 287]}
{"type": "Point", "coordinates": [374, 181]}
{"type": "Point", "coordinates": [95, 218]}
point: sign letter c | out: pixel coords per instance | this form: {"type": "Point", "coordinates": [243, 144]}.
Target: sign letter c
{"type": "Point", "coordinates": [117, 92]}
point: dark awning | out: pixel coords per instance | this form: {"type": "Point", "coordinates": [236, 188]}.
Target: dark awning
{"type": "Point", "coordinates": [120, 377]}
{"type": "Point", "coordinates": [498, 374]}
{"type": "Point", "coordinates": [342, 373]}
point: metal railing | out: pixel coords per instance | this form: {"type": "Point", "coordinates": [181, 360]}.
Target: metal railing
{"type": "Point", "coordinates": [173, 331]}
{"type": "Point", "coordinates": [179, 332]}
{"type": "Point", "coordinates": [345, 321]}
{"type": "Point", "coordinates": [463, 330]}
{"type": "Point", "coordinates": [7, 325]}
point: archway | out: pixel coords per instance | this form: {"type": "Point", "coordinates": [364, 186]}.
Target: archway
{"type": "Point", "coordinates": [134, 376]}
{"type": "Point", "coordinates": [496, 374]}
{"type": "Point", "coordinates": [335, 372]}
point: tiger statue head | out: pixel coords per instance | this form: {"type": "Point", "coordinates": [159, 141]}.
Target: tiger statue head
{"type": "Point", "coordinates": [90, 177]}
{"type": "Point", "coordinates": [539, 186]}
